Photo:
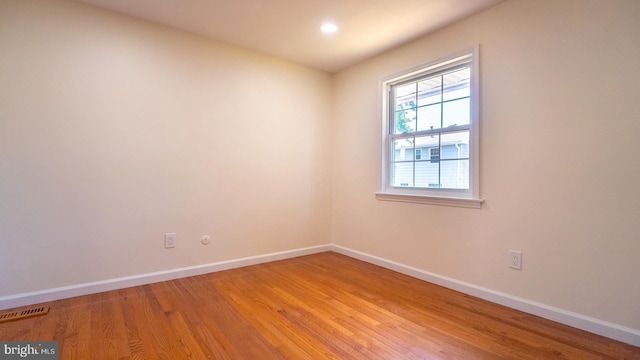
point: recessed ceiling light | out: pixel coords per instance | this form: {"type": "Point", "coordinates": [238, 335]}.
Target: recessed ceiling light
{"type": "Point", "coordinates": [329, 28]}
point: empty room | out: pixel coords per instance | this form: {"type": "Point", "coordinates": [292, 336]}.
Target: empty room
{"type": "Point", "coordinates": [302, 179]}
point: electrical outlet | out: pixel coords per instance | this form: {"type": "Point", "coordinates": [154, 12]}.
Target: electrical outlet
{"type": "Point", "coordinates": [515, 259]}
{"type": "Point", "coordinates": [169, 240]}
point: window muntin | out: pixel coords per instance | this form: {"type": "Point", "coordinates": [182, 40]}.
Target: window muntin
{"type": "Point", "coordinates": [432, 132]}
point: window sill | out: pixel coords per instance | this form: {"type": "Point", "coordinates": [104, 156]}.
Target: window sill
{"type": "Point", "coordinates": [432, 200]}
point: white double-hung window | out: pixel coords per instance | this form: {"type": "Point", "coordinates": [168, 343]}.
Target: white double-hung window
{"type": "Point", "coordinates": [431, 133]}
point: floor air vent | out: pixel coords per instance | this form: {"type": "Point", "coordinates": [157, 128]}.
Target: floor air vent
{"type": "Point", "coordinates": [17, 315]}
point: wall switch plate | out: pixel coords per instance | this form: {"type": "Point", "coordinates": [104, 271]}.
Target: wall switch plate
{"type": "Point", "coordinates": [169, 240]}
{"type": "Point", "coordinates": [515, 259]}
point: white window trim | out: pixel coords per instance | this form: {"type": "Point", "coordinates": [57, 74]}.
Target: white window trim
{"type": "Point", "coordinates": [449, 197]}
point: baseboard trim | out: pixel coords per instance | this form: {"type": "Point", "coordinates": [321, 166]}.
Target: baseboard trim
{"type": "Point", "coordinates": [36, 297]}
{"type": "Point", "coordinates": [593, 325]}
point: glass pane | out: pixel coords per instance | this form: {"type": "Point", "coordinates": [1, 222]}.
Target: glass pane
{"type": "Point", "coordinates": [454, 174]}
{"type": "Point", "coordinates": [427, 174]}
{"type": "Point", "coordinates": [456, 84]}
{"type": "Point", "coordinates": [427, 142]}
{"type": "Point", "coordinates": [429, 117]}
{"type": "Point", "coordinates": [403, 149]}
{"type": "Point", "coordinates": [456, 113]}
{"type": "Point", "coordinates": [402, 174]}
{"type": "Point", "coordinates": [430, 91]}
{"type": "Point", "coordinates": [405, 96]}
{"type": "Point", "coordinates": [455, 145]}
{"type": "Point", "coordinates": [434, 155]}
{"type": "Point", "coordinates": [405, 121]}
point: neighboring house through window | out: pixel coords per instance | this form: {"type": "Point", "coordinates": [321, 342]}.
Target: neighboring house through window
{"type": "Point", "coordinates": [431, 122]}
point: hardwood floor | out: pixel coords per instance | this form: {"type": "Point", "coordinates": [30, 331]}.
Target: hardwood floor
{"type": "Point", "coordinates": [322, 306]}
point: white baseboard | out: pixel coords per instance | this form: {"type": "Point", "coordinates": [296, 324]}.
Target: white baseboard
{"type": "Point", "coordinates": [36, 297]}
{"type": "Point", "coordinates": [593, 325]}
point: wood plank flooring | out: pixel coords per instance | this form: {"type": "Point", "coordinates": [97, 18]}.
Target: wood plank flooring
{"type": "Point", "coordinates": [322, 306]}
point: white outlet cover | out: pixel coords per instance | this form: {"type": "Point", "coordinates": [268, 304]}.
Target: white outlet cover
{"type": "Point", "coordinates": [169, 240]}
{"type": "Point", "coordinates": [515, 259]}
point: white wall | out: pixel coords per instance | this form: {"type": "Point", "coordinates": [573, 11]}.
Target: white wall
{"type": "Point", "coordinates": [560, 163]}
{"type": "Point", "coordinates": [114, 131]}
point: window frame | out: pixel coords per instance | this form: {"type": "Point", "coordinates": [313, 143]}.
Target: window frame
{"type": "Point", "coordinates": [450, 197]}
